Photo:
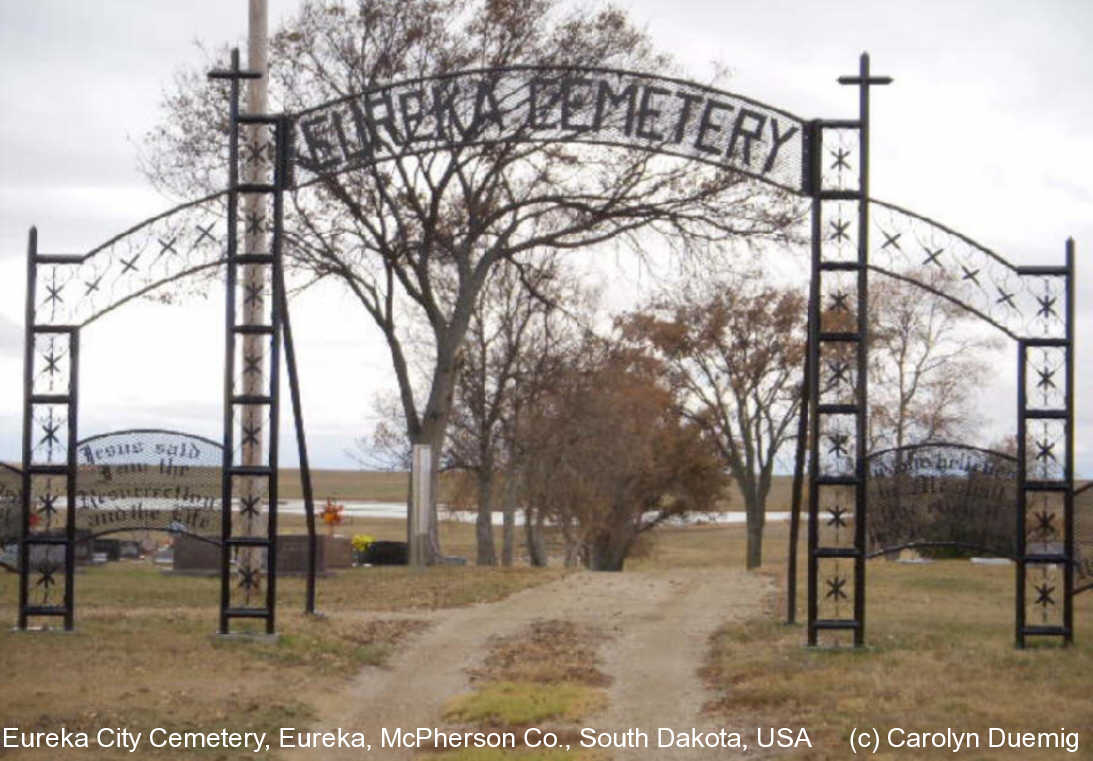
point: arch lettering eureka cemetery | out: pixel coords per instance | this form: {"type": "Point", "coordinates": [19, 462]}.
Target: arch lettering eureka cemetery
{"type": "Point", "coordinates": [538, 104]}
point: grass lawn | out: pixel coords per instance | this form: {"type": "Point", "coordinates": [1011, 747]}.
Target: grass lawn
{"type": "Point", "coordinates": [940, 653]}
{"type": "Point", "coordinates": [143, 654]}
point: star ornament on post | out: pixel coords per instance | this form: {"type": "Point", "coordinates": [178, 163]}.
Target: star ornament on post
{"type": "Point", "coordinates": [838, 444]}
{"type": "Point", "coordinates": [250, 578]}
{"type": "Point", "coordinates": [835, 588]}
{"type": "Point", "coordinates": [836, 518]}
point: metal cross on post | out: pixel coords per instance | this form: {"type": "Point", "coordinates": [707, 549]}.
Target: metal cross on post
{"type": "Point", "coordinates": [831, 184]}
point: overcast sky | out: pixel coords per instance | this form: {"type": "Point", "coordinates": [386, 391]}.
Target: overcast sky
{"type": "Point", "coordinates": [986, 128]}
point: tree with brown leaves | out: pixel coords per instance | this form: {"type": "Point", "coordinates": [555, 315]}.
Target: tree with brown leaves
{"type": "Point", "coordinates": [734, 350]}
{"type": "Point", "coordinates": [609, 456]}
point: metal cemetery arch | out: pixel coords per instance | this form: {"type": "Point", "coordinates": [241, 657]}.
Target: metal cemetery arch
{"type": "Point", "coordinates": [824, 160]}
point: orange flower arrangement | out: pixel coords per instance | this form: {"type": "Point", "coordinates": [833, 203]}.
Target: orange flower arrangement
{"type": "Point", "coordinates": [332, 515]}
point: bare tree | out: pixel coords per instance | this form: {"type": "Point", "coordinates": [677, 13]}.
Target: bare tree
{"type": "Point", "coordinates": [515, 336]}
{"type": "Point", "coordinates": [926, 362]}
{"type": "Point", "coordinates": [734, 350]}
{"type": "Point", "coordinates": [415, 237]}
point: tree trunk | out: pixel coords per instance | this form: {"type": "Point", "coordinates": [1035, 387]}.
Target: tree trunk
{"type": "Point", "coordinates": [607, 552]}
{"type": "Point", "coordinates": [484, 524]}
{"type": "Point", "coordinates": [534, 537]}
{"type": "Point", "coordinates": [508, 531]}
{"type": "Point", "coordinates": [756, 517]}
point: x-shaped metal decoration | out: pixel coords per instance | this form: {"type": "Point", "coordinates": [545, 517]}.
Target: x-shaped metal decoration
{"type": "Point", "coordinates": [841, 155]}
{"type": "Point", "coordinates": [1044, 450]}
{"type": "Point", "coordinates": [248, 506]}
{"type": "Point", "coordinates": [252, 364]}
{"type": "Point", "coordinates": [167, 247]}
{"type": "Point", "coordinates": [970, 274]}
{"type": "Point", "coordinates": [840, 226]}
{"type": "Point", "coordinates": [203, 233]}
{"type": "Point", "coordinates": [46, 572]}
{"type": "Point", "coordinates": [251, 432]}
{"type": "Point", "coordinates": [1045, 524]}
{"type": "Point", "coordinates": [1044, 597]}
{"type": "Point", "coordinates": [1046, 378]}
{"type": "Point", "coordinates": [52, 360]}
{"type": "Point", "coordinates": [1004, 297]}
{"type": "Point", "coordinates": [249, 577]}
{"type": "Point", "coordinates": [838, 301]}
{"type": "Point", "coordinates": [1047, 306]}
{"type": "Point", "coordinates": [932, 255]}
{"type": "Point", "coordinates": [254, 222]}
{"type": "Point", "coordinates": [835, 588]}
{"type": "Point", "coordinates": [54, 292]}
{"type": "Point", "coordinates": [93, 285]}
{"type": "Point", "coordinates": [255, 153]}
{"type": "Point", "coordinates": [128, 265]}
{"type": "Point", "coordinates": [48, 505]}
{"type": "Point", "coordinates": [839, 372]}
{"type": "Point", "coordinates": [891, 240]}
{"type": "Point", "coordinates": [838, 444]}
{"type": "Point", "coordinates": [50, 428]}
{"type": "Point", "coordinates": [836, 518]}
{"type": "Point", "coordinates": [253, 294]}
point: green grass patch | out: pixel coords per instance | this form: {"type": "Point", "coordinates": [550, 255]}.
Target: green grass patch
{"type": "Point", "coordinates": [517, 704]}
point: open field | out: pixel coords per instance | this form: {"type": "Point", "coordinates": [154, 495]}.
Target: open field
{"type": "Point", "coordinates": [387, 486]}
{"type": "Point", "coordinates": [940, 651]}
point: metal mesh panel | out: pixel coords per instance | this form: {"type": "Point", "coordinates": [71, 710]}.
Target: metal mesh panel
{"type": "Point", "coordinates": [945, 496]}
{"type": "Point", "coordinates": [188, 239]}
{"type": "Point", "coordinates": [913, 247]}
{"type": "Point", "coordinates": [552, 104]}
{"type": "Point", "coordinates": [149, 480]}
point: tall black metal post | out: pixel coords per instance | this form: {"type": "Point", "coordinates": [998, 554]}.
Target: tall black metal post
{"type": "Point", "coordinates": [48, 542]}
{"type": "Point", "coordinates": [1068, 497]}
{"type": "Point", "coordinates": [1045, 479]}
{"type": "Point", "coordinates": [796, 497]}
{"type": "Point", "coordinates": [271, 400]}
{"type": "Point", "coordinates": [821, 475]}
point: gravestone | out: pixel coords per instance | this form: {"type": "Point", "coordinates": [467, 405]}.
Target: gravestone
{"type": "Point", "coordinates": [338, 551]}
{"type": "Point", "coordinates": [387, 553]}
{"type": "Point", "coordinates": [292, 551]}
{"type": "Point", "coordinates": [111, 548]}
{"type": "Point", "coordinates": [196, 556]}
{"type": "Point", "coordinates": [129, 549]}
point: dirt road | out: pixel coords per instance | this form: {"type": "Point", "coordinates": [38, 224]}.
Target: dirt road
{"type": "Point", "coordinates": [659, 624]}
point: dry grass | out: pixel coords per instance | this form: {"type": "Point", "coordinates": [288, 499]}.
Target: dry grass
{"type": "Point", "coordinates": [940, 650]}
{"type": "Point", "coordinates": [391, 486]}
{"type": "Point", "coordinates": [940, 654]}
{"type": "Point", "coordinates": [548, 651]}
{"type": "Point", "coordinates": [143, 654]}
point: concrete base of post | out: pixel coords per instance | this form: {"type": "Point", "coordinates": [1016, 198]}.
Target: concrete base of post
{"type": "Point", "coordinates": [420, 500]}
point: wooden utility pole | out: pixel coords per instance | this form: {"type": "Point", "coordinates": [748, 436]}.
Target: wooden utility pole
{"type": "Point", "coordinates": [256, 301]}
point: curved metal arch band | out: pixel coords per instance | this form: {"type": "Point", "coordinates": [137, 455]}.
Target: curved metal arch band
{"type": "Point", "coordinates": [661, 147]}
{"type": "Point", "coordinates": [938, 445]}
